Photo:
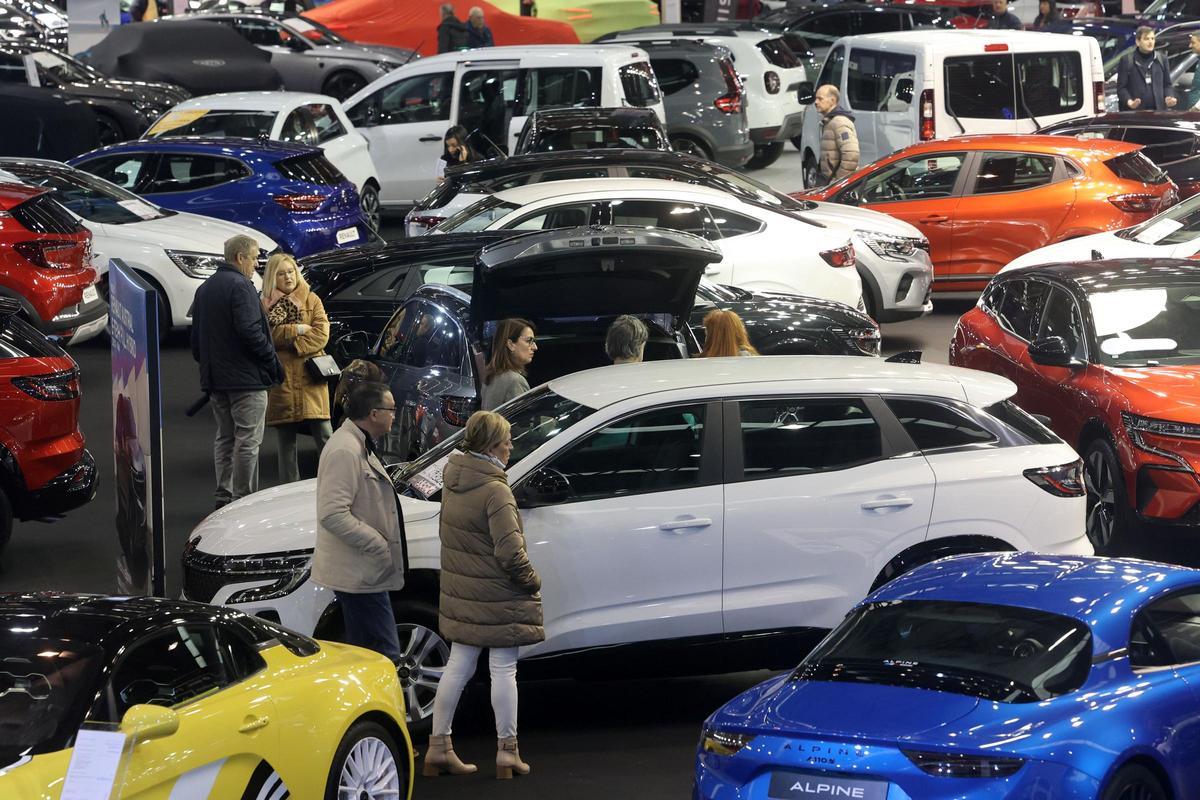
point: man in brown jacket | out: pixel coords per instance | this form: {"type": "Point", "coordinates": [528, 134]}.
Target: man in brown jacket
{"type": "Point", "coordinates": [361, 552]}
{"type": "Point", "coordinates": [839, 139]}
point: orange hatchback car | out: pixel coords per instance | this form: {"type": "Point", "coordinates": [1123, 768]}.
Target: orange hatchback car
{"type": "Point", "coordinates": [984, 200]}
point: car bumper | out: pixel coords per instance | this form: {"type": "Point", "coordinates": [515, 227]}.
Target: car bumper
{"type": "Point", "coordinates": [904, 287]}
{"type": "Point", "coordinates": [70, 489]}
{"type": "Point", "coordinates": [789, 127]}
{"type": "Point", "coordinates": [86, 314]}
{"type": "Point", "coordinates": [308, 237]}
{"type": "Point", "coordinates": [734, 155]}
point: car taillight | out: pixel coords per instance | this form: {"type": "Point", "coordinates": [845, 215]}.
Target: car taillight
{"type": "Point", "coordinates": [1134, 202]}
{"type": "Point", "coordinates": [1065, 480]}
{"type": "Point", "coordinates": [456, 410]}
{"type": "Point", "coordinates": [928, 128]}
{"type": "Point", "coordinates": [840, 257]}
{"type": "Point", "coordinates": [1098, 91]}
{"type": "Point", "coordinates": [771, 81]}
{"type": "Point", "coordinates": [729, 103]}
{"type": "Point", "coordinates": [55, 386]}
{"type": "Point", "coordinates": [300, 202]}
{"type": "Point", "coordinates": [955, 765]}
{"type": "Point", "coordinates": [426, 220]}
{"type": "Point", "coordinates": [52, 253]}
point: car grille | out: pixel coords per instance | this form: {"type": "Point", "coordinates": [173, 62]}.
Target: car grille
{"type": "Point", "coordinates": [205, 574]}
{"type": "Point", "coordinates": [42, 214]}
{"type": "Point", "coordinates": [312, 169]}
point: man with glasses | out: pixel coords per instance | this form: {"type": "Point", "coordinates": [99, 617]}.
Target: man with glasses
{"type": "Point", "coordinates": [361, 553]}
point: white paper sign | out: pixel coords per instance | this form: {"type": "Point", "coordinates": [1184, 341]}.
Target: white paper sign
{"type": "Point", "coordinates": [347, 235]}
{"type": "Point", "coordinates": [1158, 231]}
{"type": "Point", "coordinates": [140, 208]}
{"type": "Point", "coordinates": [95, 760]}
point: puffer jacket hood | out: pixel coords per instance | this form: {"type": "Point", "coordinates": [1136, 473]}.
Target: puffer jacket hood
{"type": "Point", "coordinates": [464, 472]}
{"type": "Point", "coordinates": [839, 111]}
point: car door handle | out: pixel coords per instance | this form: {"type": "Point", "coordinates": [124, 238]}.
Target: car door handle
{"type": "Point", "coordinates": [933, 219]}
{"type": "Point", "coordinates": [684, 524]}
{"type": "Point", "coordinates": [888, 502]}
{"type": "Point", "coordinates": [429, 138]}
{"type": "Point", "coordinates": [253, 723]}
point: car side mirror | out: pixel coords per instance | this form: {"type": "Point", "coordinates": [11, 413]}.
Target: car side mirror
{"type": "Point", "coordinates": [143, 722]}
{"type": "Point", "coordinates": [351, 346]}
{"type": "Point", "coordinates": [849, 198]}
{"type": "Point", "coordinates": [1053, 351]}
{"type": "Point", "coordinates": [296, 43]}
{"type": "Point", "coordinates": [904, 90]}
{"type": "Point", "coordinates": [805, 94]}
{"type": "Point", "coordinates": [546, 487]}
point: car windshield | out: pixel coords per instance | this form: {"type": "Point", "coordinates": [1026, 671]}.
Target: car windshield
{"type": "Point", "coordinates": [206, 122]}
{"type": "Point", "coordinates": [998, 653]}
{"type": "Point", "coordinates": [536, 418]}
{"type": "Point", "coordinates": [87, 196]}
{"type": "Point", "coordinates": [1148, 326]}
{"type": "Point", "coordinates": [1179, 224]}
{"type": "Point", "coordinates": [752, 189]}
{"type": "Point", "coordinates": [46, 686]}
{"type": "Point", "coordinates": [477, 216]}
{"type": "Point", "coordinates": [60, 68]}
{"type": "Point", "coordinates": [313, 31]}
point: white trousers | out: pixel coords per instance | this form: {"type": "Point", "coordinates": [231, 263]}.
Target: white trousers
{"type": "Point", "coordinates": [502, 664]}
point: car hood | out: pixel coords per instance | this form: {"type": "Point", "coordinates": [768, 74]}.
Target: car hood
{"type": "Point", "coordinates": [160, 94]}
{"type": "Point", "coordinates": [98, 91]}
{"type": "Point", "coordinates": [1171, 393]}
{"type": "Point", "coordinates": [862, 219]}
{"type": "Point", "coordinates": [366, 52]}
{"type": "Point", "coordinates": [773, 308]}
{"type": "Point", "coordinates": [184, 231]}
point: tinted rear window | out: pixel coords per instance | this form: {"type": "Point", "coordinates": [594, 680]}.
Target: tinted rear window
{"type": "Point", "coordinates": [1014, 86]}
{"type": "Point", "coordinates": [778, 53]}
{"type": "Point", "coordinates": [1136, 167]}
{"type": "Point", "coordinates": [640, 85]}
{"type": "Point", "coordinates": [18, 339]}
{"type": "Point", "coordinates": [312, 169]}
{"type": "Point", "coordinates": [42, 214]}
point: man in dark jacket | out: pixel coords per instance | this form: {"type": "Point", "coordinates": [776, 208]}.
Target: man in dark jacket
{"type": "Point", "coordinates": [1003, 19]}
{"type": "Point", "coordinates": [452, 32]}
{"type": "Point", "coordinates": [1143, 78]}
{"type": "Point", "coordinates": [478, 33]}
{"type": "Point", "coordinates": [232, 343]}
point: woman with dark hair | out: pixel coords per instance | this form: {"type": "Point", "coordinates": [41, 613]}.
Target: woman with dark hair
{"type": "Point", "coordinates": [1047, 13]}
{"type": "Point", "coordinates": [456, 150]}
{"type": "Point", "coordinates": [725, 335]}
{"type": "Point", "coordinates": [513, 347]}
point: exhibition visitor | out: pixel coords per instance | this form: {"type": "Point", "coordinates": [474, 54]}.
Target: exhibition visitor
{"type": "Point", "coordinates": [839, 138]}
{"type": "Point", "coordinates": [451, 31]}
{"type": "Point", "coordinates": [455, 150]}
{"type": "Point", "coordinates": [478, 33]}
{"type": "Point", "coordinates": [1192, 96]}
{"type": "Point", "coordinates": [1143, 77]}
{"type": "Point", "coordinates": [625, 342]}
{"type": "Point", "coordinates": [513, 347]}
{"type": "Point", "coordinates": [1047, 13]}
{"type": "Point", "coordinates": [232, 344]}
{"type": "Point", "coordinates": [300, 330]}
{"type": "Point", "coordinates": [361, 553]}
{"type": "Point", "coordinates": [490, 593]}
{"type": "Point", "coordinates": [725, 335]}
{"type": "Point", "coordinates": [356, 372]}
{"type": "Point", "coordinates": [1003, 19]}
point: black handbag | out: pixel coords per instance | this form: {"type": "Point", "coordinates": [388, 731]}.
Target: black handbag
{"type": "Point", "coordinates": [322, 367]}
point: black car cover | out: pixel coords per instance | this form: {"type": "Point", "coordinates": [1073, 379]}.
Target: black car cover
{"type": "Point", "coordinates": [202, 57]}
{"type": "Point", "coordinates": [52, 124]}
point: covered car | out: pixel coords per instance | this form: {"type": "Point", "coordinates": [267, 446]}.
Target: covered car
{"type": "Point", "coordinates": [53, 124]}
{"type": "Point", "coordinates": [201, 57]}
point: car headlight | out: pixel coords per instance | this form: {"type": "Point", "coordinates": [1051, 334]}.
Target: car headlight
{"type": "Point", "coordinates": [282, 587]}
{"type": "Point", "coordinates": [866, 340]}
{"type": "Point", "coordinates": [196, 265]}
{"type": "Point", "coordinates": [891, 246]}
{"type": "Point", "coordinates": [1139, 427]}
{"type": "Point", "coordinates": [723, 743]}
{"type": "Point", "coordinates": [386, 66]}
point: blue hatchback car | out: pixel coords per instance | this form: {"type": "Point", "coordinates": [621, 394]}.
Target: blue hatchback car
{"type": "Point", "coordinates": [290, 192]}
{"type": "Point", "coordinates": [982, 677]}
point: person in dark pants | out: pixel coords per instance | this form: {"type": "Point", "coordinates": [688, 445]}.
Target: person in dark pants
{"type": "Point", "coordinates": [1003, 19]}
{"type": "Point", "coordinates": [451, 32]}
{"type": "Point", "coordinates": [361, 553]}
{"type": "Point", "coordinates": [478, 33]}
{"type": "Point", "coordinates": [232, 344]}
{"type": "Point", "coordinates": [1143, 78]}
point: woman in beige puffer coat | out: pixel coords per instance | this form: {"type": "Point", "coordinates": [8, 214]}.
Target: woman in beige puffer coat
{"type": "Point", "coordinates": [490, 593]}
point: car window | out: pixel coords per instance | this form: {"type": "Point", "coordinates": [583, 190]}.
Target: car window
{"type": "Point", "coordinates": [239, 124]}
{"type": "Point", "coordinates": [126, 170]}
{"type": "Point", "coordinates": [299, 126]}
{"type": "Point", "coordinates": [874, 80]}
{"type": "Point", "coordinates": [396, 333]}
{"type": "Point", "coordinates": [459, 275]}
{"type": "Point", "coordinates": [1013, 86]}
{"type": "Point", "coordinates": [674, 74]}
{"type": "Point", "coordinates": [1013, 172]}
{"type": "Point", "coordinates": [477, 216]}
{"type": "Point", "coordinates": [639, 84]}
{"type": "Point", "coordinates": [835, 64]}
{"type": "Point", "coordinates": [827, 26]}
{"type": "Point", "coordinates": [381, 285]}
{"type": "Point", "coordinates": [918, 178]}
{"type": "Point", "coordinates": [435, 341]}
{"type": "Point", "coordinates": [778, 54]}
{"type": "Point", "coordinates": [680, 216]}
{"type": "Point", "coordinates": [187, 172]}
{"type": "Point", "coordinates": [261, 31]}
{"type": "Point", "coordinates": [241, 658]}
{"type": "Point", "coordinates": [12, 69]}
{"type": "Point", "coordinates": [656, 451]}
{"type": "Point", "coordinates": [1162, 145]}
{"type": "Point", "coordinates": [1167, 632]}
{"type": "Point", "coordinates": [88, 196]}
{"type": "Point", "coordinates": [937, 426]}
{"type": "Point", "coordinates": [421, 98]}
{"type": "Point", "coordinates": [573, 215]}
{"type": "Point", "coordinates": [729, 224]}
{"type": "Point", "coordinates": [1062, 318]}
{"type": "Point", "coordinates": [876, 22]}
{"type": "Point", "coordinates": [1021, 309]}
{"type": "Point", "coordinates": [487, 102]}
{"type": "Point", "coordinates": [329, 127]}
{"type": "Point", "coordinates": [790, 436]}
{"type": "Point", "coordinates": [563, 86]}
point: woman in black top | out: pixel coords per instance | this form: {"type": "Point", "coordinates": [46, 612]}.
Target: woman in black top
{"type": "Point", "coordinates": [1047, 13]}
{"type": "Point", "coordinates": [456, 150]}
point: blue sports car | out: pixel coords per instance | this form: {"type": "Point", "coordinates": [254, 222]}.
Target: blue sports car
{"type": "Point", "coordinates": [288, 191]}
{"type": "Point", "coordinates": [982, 677]}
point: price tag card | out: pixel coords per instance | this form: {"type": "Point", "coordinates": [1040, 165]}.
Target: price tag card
{"type": "Point", "coordinates": [95, 761]}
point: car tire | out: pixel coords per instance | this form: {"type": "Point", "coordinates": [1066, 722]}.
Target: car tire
{"type": "Point", "coordinates": [691, 146]}
{"type": "Point", "coordinates": [810, 175]}
{"type": "Point", "coordinates": [6, 520]}
{"type": "Point", "coordinates": [368, 201]}
{"type": "Point", "coordinates": [423, 655]}
{"type": "Point", "coordinates": [367, 765]}
{"type": "Point", "coordinates": [109, 130]}
{"type": "Point", "coordinates": [1106, 519]}
{"type": "Point", "coordinates": [343, 84]}
{"type": "Point", "coordinates": [1134, 782]}
{"type": "Point", "coordinates": [765, 155]}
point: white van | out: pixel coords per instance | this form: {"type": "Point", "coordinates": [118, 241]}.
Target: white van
{"type": "Point", "coordinates": [490, 91]}
{"type": "Point", "coordinates": [912, 86]}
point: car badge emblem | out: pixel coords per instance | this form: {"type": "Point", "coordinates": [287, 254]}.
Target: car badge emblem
{"type": "Point", "coordinates": [208, 62]}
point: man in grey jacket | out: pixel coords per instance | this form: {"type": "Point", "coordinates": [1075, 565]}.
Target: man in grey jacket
{"type": "Point", "coordinates": [361, 552]}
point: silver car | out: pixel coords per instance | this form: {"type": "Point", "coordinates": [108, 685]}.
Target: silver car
{"type": "Point", "coordinates": [312, 58]}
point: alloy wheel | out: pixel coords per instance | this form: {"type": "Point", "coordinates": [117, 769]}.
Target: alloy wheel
{"type": "Point", "coordinates": [369, 772]}
{"type": "Point", "coordinates": [1139, 791]}
{"type": "Point", "coordinates": [811, 177]}
{"type": "Point", "coordinates": [344, 84]}
{"type": "Point", "coordinates": [423, 657]}
{"type": "Point", "coordinates": [369, 203]}
{"type": "Point", "coordinates": [1101, 501]}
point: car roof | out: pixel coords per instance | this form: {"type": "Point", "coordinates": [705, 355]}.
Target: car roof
{"type": "Point", "coordinates": [551, 117]}
{"type": "Point", "coordinates": [255, 101]}
{"type": "Point", "coordinates": [685, 46]}
{"type": "Point", "coordinates": [98, 616]}
{"type": "Point", "coordinates": [744, 31]}
{"type": "Point", "coordinates": [1033, 143]}
{"type": "Point", "coordinates": [1113, 274]}
{"type": "Point", "coordinates": [532, 192]}
{"type": "Point", "coordinates": [1161, 119]}
{"type": "Point", "coordinates": [1102, 593]}
{"type": "Point", "coordinates": [956, 41]}
{"type": "Point", "coordinates": [530, 162]}
{"type": "Point", "coordinates": [601, 387]}
{"type": "Point", "coordinates": [554, 52]}
{"type": "Point", "coordinates": [242, 148]}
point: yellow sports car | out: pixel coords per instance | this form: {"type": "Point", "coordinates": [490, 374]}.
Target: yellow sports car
{"type": "Point", "coordinates": [216, 704]}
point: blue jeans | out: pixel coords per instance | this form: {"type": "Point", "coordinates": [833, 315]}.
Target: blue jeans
{"type": "Point", "coordinates": [369, 622]}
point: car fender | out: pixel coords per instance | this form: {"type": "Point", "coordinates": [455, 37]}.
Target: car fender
{"type": "Point", "coordinates": [693, 131]}
{"type": "Point", "coordinates": [930, 549]}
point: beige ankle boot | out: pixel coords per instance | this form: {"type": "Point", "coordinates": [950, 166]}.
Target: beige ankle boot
{"type": "Point", "coordinates": [441, 758]}
{"type": "Point", "coordinates": [508, 759]}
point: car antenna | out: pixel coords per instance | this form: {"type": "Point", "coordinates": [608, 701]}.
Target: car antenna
{"type": "Point", "coordinates": [414, 52]}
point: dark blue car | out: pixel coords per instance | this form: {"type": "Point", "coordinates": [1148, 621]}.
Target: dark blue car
{"type": "Point", "coordinates": [982, 677]}
{"type": "Point", "coordinates": [290, 192]}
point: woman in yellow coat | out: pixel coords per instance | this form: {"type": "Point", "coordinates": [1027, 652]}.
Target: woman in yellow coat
{"type": "Point", "coordinates": [300, 330]}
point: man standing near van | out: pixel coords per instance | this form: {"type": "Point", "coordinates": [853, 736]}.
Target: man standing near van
{"type": "Point", "coordinates": [1143, 78]}
{"type": "Point", "coordinates": [839, 139]}
{"type": "Point", "coordinates": [452, 32]}
{"type": "Point", "coordinates": [1003, 19]}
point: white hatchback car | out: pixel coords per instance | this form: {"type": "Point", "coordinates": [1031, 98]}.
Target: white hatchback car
{"type": "Point", "coordinates": [312, 119]}
{"type": "Point", "coordinates": [745, 503]}
{"type": "Point", "coordinates": [764, 250]}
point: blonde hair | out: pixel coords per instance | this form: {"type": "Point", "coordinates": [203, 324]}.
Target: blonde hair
{"type": "Point", "coordinates": [485, 430]}
{"type": "Point", "coordinates": [725, 335]}
{"type": "Point", "coordinates": [273, 264]}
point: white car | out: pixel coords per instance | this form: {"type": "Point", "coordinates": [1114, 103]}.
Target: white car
{"type": "Point", "coordinates": [174, 251]}
{"type": "Point", "coordinates": [1175, 233]}
{"type": "Point", "coordinates": [764, 250]}
{"type": "Point", "coordinates": [312, 119]}
{"type": "Point", "coordinates": [736, 501]}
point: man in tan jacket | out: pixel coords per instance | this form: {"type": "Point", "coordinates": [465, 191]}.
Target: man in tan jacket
{"type": "Point", "coordinates": [839, 138]}
{"type": "Point", "coordinates": [361, 552]}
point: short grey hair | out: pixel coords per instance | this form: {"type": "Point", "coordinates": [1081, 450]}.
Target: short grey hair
{"type": "Point", "coordinates": [239, 244]}
{"type": "Point", "coordinates": [626, 337]}
{"type": "Point", "coordinates": [447, 10]}
{"type": "Point", "coordinates": [475, 11]}
{"type": "Point", "coordinates": [829, 88]}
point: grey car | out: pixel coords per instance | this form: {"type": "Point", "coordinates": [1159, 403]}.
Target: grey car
{"type": "Point", "coordinates": [312, 58]}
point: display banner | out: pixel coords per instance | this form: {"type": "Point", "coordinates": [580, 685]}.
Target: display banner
{"type": "Point", "coordinates": [137, 432]}
{"type": "Point", "coordinates": [90, 21]}
{"type": "Point", "coordinates": [719, 10]}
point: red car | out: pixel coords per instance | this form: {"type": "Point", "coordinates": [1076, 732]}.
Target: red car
{"type": "Point", "coordinates": [984, 200]}
{"type": "Point", "coordinates": [45, 262]}
{"type": "Point", "coordinates": [1110, 352]}
{"type": "Point", "coordinates": [44, 467]}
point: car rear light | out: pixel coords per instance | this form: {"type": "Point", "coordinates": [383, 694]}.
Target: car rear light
{"type": "Point", "coordinates": [54, 386]}
{"type": "Point", "coordinates": [52, 253]}
{"type": "Point", "coordinates": [955, 765]}
{"type": "Point", "coordinates": [456, 410]}
{"type": "Point", "coordinates": [995, 48]}
{"type": "Point", "coordinates": [300, 202]}
{"type": "Point", "coordinates": [723, 743]}
{"type": "Point", "coordinates": [729, 103]}
{"type": "Point", "coordinates": [1065, 480]}
{"type": "Point", "coordinates": [426, 220]}
{"type": "Point", "coordinates": [839, 257]}
{"type": "Point", "coordinates": [1134, 202]}
{"type": "Point", "coordinates": [1098, 91]}
{"type": "Point", "coordinates": [771, 81]}
{"type": "Point", "coordinates": [928, 128]}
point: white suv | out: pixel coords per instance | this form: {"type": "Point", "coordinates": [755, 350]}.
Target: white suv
{"type": "Point", "coordinates": [737, 501]}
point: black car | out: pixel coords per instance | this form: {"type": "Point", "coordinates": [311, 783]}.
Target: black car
{"type": "Point", "coordinates": [817, 26]}
{"type": "Point", "coordinates": [1171, 139]}
{"type": "Point", "coordinates": [52, 124]}
{"type": "Point", "coordinates": [557, 129]}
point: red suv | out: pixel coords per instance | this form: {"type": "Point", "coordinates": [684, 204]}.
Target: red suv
{"type": "Point", "coordinates": [45, 262]}
{"type": "Point", "coordinates": [44, 467]}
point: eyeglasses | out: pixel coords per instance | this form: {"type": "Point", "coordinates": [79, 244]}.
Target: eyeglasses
{"type": "Point", "coordinates": [528, 339]}
{"type": "Point", "coordinates": [386, 408]}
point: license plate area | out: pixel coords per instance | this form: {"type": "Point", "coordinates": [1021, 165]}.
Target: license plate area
{"type": "Point", "coordinates": [347, 235]}
{"type": "Point", "coordinates": [814, 786]}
